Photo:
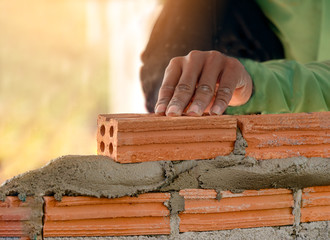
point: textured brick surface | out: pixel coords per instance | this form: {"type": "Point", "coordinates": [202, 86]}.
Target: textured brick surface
{"type": "Point", "coordinates": [139, 138]}
{"type": "Point", "coordinates": [315, 205]}
{"type": "Point", "coordinates": [87, 216]}
{"type": "Point", "coordinates": [203, 212]}
{"type": "Point", "coordinates": [131, 138]}
{"type": "Point", "coordinates": [286, 135]}
{"type": "Point", "coordinates": [13, 214]}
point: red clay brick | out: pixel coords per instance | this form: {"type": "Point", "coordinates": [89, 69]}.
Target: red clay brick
{"type": "Point", "coordinates": [286, 135]}
{"type": "Point", "coordinates": [210, 193]}
{"type": "Point", "coordinates": [108, 227]}
{"type": "Point", "coordinates": [231, 220]}
{"type": "Point", "coordinates": [315, 204]}
{"type": "Point", "coordinates": [138, 138]}
{"type": "Point", "coordinates": [313, 214]}
{"type": "Point", "coordinates": [316, 199]}
{"type": "Point", "coordinates": [238, 204]}
{"type": "Point", "coordinates": [252, 208]}
{"type": "Point", "coordinates": [88, 216]}
{"type": "Point", "coordinates": [317, 189]}
{"type": "Point", "coordinates": [13, 214]}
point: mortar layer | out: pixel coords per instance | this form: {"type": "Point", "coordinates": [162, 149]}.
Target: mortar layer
{"type": "Point", "coordinates": [97, 176]}
{"type": "Point", "coordinates": [100, 176]}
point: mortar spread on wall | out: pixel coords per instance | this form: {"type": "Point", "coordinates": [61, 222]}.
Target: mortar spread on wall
{"type": "Point", "coordinates": [100, 176]}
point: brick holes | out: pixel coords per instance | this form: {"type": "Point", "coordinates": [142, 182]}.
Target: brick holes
{"type": "Point", "coordinates": [102, 146]}
{"type": "Point", "coordinates": [102, 130]}
{"type": "Point", "coordinates": [111, 148]}
{"type": "Point", "coordinates": [106, 135]}
{"type": "Point", "coordinates": [111, 131]}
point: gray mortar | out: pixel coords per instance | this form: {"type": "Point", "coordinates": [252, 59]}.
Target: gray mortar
{"type": "Point", "coordinates": [240, 143]}
{"type": "Point", "coordinates": [97, 176]}
{"type": "Point", "coordinates": [33, 227]}
{"type": "Point", "coordinates": [296, 212]}
{"type": "Point", "coordinates": [238, 173]}
{"type": "Point", "coordinates": [314, 230]}
{"type": "Point", "coordinates": [176, 203]}
{"type": "Point", "coordinates": [100, 176]}
{"type": "Point", "coordinates": [175, 226]}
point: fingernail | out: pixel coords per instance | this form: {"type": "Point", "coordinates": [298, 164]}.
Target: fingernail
{"type": "Point", "coordinates": [216, 110]}
{"type": "Point", "coordinates": [161, 108]}
{"type": "Point", "coordinates": [194, 110]}
{"type": "Point", "coordinates": [173, 111]}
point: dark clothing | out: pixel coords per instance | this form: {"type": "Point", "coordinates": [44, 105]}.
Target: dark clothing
{"type": "Point", "coordinates": [237, 28]}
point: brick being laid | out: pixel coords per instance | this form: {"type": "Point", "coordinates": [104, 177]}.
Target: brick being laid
{"type": "Point", "coordinates": [90, 216]}
{"type": "Point", "coordinates": [251, 208]}
{"type": "Point", "coordinates": [147, 137]}
{"type": "Point", "coordinates": [13, 215]}
{"type": "Point", "coordinates": [286, 135]}
{"type": "Point", "coordinates": [315, 204]}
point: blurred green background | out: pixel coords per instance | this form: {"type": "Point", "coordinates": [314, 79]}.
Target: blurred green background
{"type": "Point", "coordinates": [54, 79]}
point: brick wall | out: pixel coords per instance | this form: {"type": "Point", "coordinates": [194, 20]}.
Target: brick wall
{"type": "Point", "coordinates": [139, 138]}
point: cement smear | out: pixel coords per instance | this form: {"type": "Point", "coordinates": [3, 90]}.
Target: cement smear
{"type": "Point", "coordinates": [176, 204]}
{"type": "Point", "coordinates": [100, 176]}
{"type": "Point", "coordinates": [237, 173]}
{"type": "Point", "coordinates": [97, 176]}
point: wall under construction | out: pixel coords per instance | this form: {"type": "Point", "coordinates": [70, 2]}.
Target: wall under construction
{"type": "Point", "coordinates": [230, 176]}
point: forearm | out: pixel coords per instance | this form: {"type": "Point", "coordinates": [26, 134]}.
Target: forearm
{"type": "Point", "coordinates": [284, 86]}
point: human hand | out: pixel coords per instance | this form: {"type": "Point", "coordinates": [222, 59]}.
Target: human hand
{"type": "Point", "coordinates": [203, 79]}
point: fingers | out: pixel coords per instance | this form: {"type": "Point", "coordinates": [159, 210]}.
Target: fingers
{"type": "Point", "coordinates": [227, 86]}
{"type": "Point", "coordinates": [192, 66]}
{"type": "Point", "coordinates": [170, 81]}
{"type": "Point", "coordinates": [205, 90]}
{"type": "Point", "coordinates": [206, 70]}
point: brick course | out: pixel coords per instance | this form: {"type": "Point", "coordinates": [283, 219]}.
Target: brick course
{"type": "Point", "coordinates": [286, 135]}
{"type": "Point", "coordinates": [13, 214]}
{"type": "Point", "coordinates": [315, 204]}
{"type": "Point", "coordinates": [88, 216]}
{"type": "Point", "coordinates": [203, 212]}
{"type": "Point", "coordinates": [138, 138]}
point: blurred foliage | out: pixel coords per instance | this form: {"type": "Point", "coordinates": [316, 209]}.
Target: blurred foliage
{"type": "Point", "coordinates": [52, 83]}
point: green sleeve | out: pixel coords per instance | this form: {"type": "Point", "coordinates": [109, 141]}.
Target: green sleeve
{"type": "Point", "coordinates": [286, 86]}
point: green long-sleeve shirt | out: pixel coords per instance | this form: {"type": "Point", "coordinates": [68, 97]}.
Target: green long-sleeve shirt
{"type": "Point", "coordinates": [302, 82]}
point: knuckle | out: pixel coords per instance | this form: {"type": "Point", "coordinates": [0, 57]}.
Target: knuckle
{"type": "Point", "coordinates": [166, 87]}
{"type": "Point", "coordinates": [224, 94]}
{"type": "Point", "coordinates": [205, 89]}
{"type": "Point", "coordinates": [193, 54]}
{"type": "Point", "coordinates": [225, 91]}
{"type": "Point", "coordinates": [183, 87]}
{"type": "Point", "coordinates": [175, 61]}
{"type": "Point", "coordinates": [214, 54]}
